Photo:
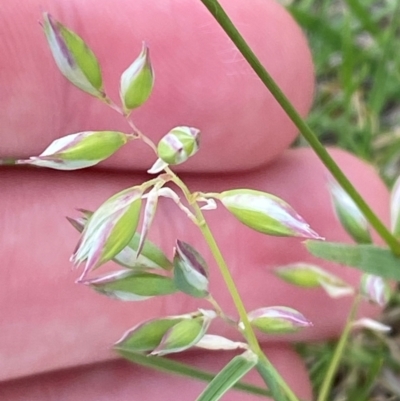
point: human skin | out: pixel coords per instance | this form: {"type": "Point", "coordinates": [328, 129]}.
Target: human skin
{"type": "Point", "coordinates": [55, 335]}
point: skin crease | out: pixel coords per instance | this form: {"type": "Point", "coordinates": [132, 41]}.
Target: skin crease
{"type": "Point", "coordinates": [50, 324]}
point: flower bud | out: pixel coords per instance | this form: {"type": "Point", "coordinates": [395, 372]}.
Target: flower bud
{"type": "Point", "coordinates": [375, 289]}
{"type": "Point", "coordinates": [151, 256]}
{"type": "Point", "coordinates": [178, 145]}
{"type": "Point", "coordinates": [147, 336]}
{"type": "Point", "coordinates": [306, 275]}
{"type": "Point", "coordinates": [190, 270]}
{"type": "Point", "coordinates": [73, 57]}
{"type": "Point", "coordinates": [184, 334]}
{"type": "Point", "coordinates": [109, 229]}
{"type": "Point", "coordinates": [128, 285]}
{"type": "Point", "coordinates": [278, 320]}
{"type": "Point", "coordinates": [266, 213]}
{"type": "Point", "coordinates": [137, 81]}
{"type": "Point", "coordinates": [167, 335]}
{"type": "Point", "coordinates": [77, 151]}
{"type": "Point", "coordinates": [349, 215]}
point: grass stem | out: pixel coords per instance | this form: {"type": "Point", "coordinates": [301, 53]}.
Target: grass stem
{"type": "Point", "coordinates": [224, 21]}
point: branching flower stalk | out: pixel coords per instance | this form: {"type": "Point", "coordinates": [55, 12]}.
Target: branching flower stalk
{"type": "Point", "coordinates": [110, 233]}
{"type": "Point", "coordinates": [247, 331]}
{"type": "Point", "coordinates": [232, 322]}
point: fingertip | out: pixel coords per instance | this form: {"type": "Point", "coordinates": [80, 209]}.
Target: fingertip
{"type": "Point", "coordinates": [204, 81]}
{"type": "Point", "coordinates": [201, 79]}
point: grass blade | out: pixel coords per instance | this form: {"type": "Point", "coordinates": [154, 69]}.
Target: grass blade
{"type": "Point", "coordinates": [228, 376]}
{"type": "Point", "coordinates": [363, 14]}
{"type": "Point", "coordinates": [368, 258]}
{"type": "Point", "coordinates": [167, 365]}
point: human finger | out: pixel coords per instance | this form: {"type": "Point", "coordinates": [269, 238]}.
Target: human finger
{"type": "Point", "coordinates": [121, 380]}
{"type": "Point", "coordinates": [201, 79]}
{"type": "Point", "coordinates": [48, 322]}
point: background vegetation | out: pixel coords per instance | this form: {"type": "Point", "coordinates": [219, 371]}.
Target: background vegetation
{"type": "Point", "coordinates": [356, 50]}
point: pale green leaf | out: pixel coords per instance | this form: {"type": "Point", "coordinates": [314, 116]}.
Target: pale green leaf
{"type": "Point", "coordinates": [368, 258]}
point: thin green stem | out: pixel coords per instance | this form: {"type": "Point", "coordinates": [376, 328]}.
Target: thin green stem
{"type": "Point", "coordinates": [339, 351]}
{"type": "Point", "coordinates": [135, 130]}
{"type": "Point", "coordinates": [112, 105]}
{"type": "Point", "coordinates": [8, 162]}
{"type": "Point", "coordinates": [220, 311]}
{"type": "Point", "coordinates": [247, 331]}
{"type": "Point", "coordinates": [141, 136]}
{"type": "Point", "coordinates": [222, 18]}
{"type": "Point", "coordinates": [212, 244]}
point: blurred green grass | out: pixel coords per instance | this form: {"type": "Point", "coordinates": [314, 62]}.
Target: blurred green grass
{"type": "Point", "coordinates": [356, 51]}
